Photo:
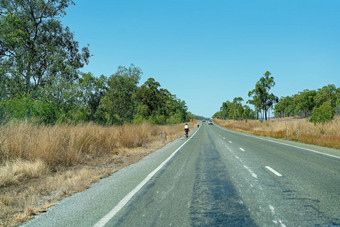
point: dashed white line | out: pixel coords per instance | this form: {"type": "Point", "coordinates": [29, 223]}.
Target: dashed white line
{"type": "Point", "coordinates": [272, 209]}
{"type": "Point", "coordinates": [242, 149]}
{"type": "Point", "coordinates": [250, 171]}
{"type": "Point", "coordinates": [227, 147]}
{"type": "Point", "coordinates": [273, 171]}
{"type": "Point", "coordinates": [282, 225]}
{"type": "Point", "coordinates": [230, 141]}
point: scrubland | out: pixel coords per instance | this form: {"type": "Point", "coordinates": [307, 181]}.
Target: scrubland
{"type": "Point", "coordinates": [327, 134]}
{"type": "Point", "coordinates": [39, 165]}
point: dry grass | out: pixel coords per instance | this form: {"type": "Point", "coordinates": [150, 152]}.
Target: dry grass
{"type": "Point", "coordinates": [327, 135]}
{"type": "Point", "coordinates": [40, 165]}
{"type": "Point", "coordinates": [12, 172]}
{"type": "Point", "coordinates": [68, 145]}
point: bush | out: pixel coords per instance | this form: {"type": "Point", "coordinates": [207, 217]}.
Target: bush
{"type": "Point", "coordinates": [322, 114]}
{"type": "Point", "coordinates": [45, 112]}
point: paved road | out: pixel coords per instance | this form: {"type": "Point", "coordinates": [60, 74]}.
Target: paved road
{"type": "Point", "coordinates": [215, 178]}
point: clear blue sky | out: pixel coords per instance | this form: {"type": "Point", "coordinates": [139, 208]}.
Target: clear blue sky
{"type": "Point", "coordinates": [207, 52]}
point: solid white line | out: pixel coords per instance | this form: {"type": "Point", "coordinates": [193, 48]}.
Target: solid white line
{"type": "Point", "coordinates": [274, 171]}
{"type": "Point", "coordinates": [126, 199]}
{"type": "Point", "coordinates": [302, 148]}
{"type": "Point", "coordinates": [242, 149]}
{"type": "Point", "coordinates": [251, 172]}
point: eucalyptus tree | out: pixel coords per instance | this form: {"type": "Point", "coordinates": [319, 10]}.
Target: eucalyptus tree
{"type": "Point", "coordinates": [35, 48]}
{"type": "Point", "coordinates": [118, 102]}
{"type": "Point", "coordinates": [262, 99]}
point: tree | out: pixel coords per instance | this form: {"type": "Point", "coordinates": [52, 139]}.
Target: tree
{"type": "Point", "coordinates": [118, 102]}
{"type": "Point", "coordinates": [234, 110]}
{"type": "Point", "coordinates": [35, 48]}
{"type": "Point", "coordinates": [248, 113]}
{"type": "Point", "coordinates": [304, 103]}
{"type": "Point", "coordinates": [158, 105]}
{"type": "Point", "coordinates": [90, 92]}
{"type": "Point", "coordinates": [149, 96]}
{"type": "Point", "coordinates": [261, 97]}
{"type": "Point", "coordinates": [323, 113]}
{"type": "Point", "coordinates": [325, 94]}
{"type": "Point", "coordinates": [237, 108]}
{"type": "Point", "coordinates": [285, 107]}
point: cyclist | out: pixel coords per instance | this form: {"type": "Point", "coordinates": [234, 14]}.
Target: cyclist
{"type": "Point", "coordinates": [186, 129]}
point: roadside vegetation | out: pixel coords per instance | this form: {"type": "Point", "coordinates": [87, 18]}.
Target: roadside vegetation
{"type": "Point", "coordinates": [319, 106]}
{"type": "Point", "coordinates": [41, 164]}
{"type": "Point", "coordinates": [60, 128]}
{"type": "Point", "coordinates": [327, 134]}
{"type": "Point", "coordinates": [262, 100]}
{"type": "Point", "coordinates": [315, 113]}
{"type": "Point", "coordinates": [40, 77]}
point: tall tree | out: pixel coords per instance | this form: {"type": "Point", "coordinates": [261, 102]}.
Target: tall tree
{"type": "Point", "coordinates": [325, 94]}
{"type": "Point", "coordinates": [35, 47]}
{"type": "Point", "coordinates": [118, 102]}
{"type": "Point", "coordinates": [149, 96]}
{"type": "Point", "coordinates": [91, 91]}
{"type": "Point", "coordinates": [237, 108]}
{"type": "Point", "coordinates": [262, 99]}
{"type": "Point", "coordinates": [304, 103]}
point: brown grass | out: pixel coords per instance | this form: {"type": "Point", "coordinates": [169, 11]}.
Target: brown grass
{"type": "Point", "coordinates": [12, 172]}
{"type": "Point", "coordinates": [40, 165]}
{"type": "Point", "coordinates": [327, 135]}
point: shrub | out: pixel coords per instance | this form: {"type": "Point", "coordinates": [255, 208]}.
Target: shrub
{"type": "Point", "coordinates": [322, 114]}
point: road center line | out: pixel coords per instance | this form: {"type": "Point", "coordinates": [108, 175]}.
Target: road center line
{"type": "Point", "coordinates": [273, 171]}
{"type": "Point", "coordinates": [250, 171]}
{"type": "Point", "coordinates": [127, 198]}
{"type": "Point", "coordinates": [242, 149]}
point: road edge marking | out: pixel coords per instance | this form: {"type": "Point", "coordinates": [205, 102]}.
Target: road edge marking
{"type": "Point", "coordinates": [260, 138]}
{"type": "Point", "coordinates": [104, 220]}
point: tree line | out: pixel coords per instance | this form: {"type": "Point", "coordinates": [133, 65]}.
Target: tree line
{"type": "Point", "coordinates": [262, 100]}
{"type": "Point", "coordinates": [235, 110]}
{"type": "Point", "coordinates": [318, 105]}
{"type": "Point", "coordinates": [40, 75]}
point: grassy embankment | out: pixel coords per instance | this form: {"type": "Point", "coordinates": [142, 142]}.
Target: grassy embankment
{"type": "Point", "coordinates": [40, 165]}
{"type": "Point", "coordinates": [327, 135]}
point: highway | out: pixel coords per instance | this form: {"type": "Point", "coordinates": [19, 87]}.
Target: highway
{"type": "Point", "coordinates": [217, 177]}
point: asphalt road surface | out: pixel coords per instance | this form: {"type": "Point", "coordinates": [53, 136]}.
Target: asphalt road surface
{"type": "Point", "coordinates": [217, 177]}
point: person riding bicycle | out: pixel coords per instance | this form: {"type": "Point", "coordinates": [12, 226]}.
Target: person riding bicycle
{"type": "Point", "coordinates": [186, 129]}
